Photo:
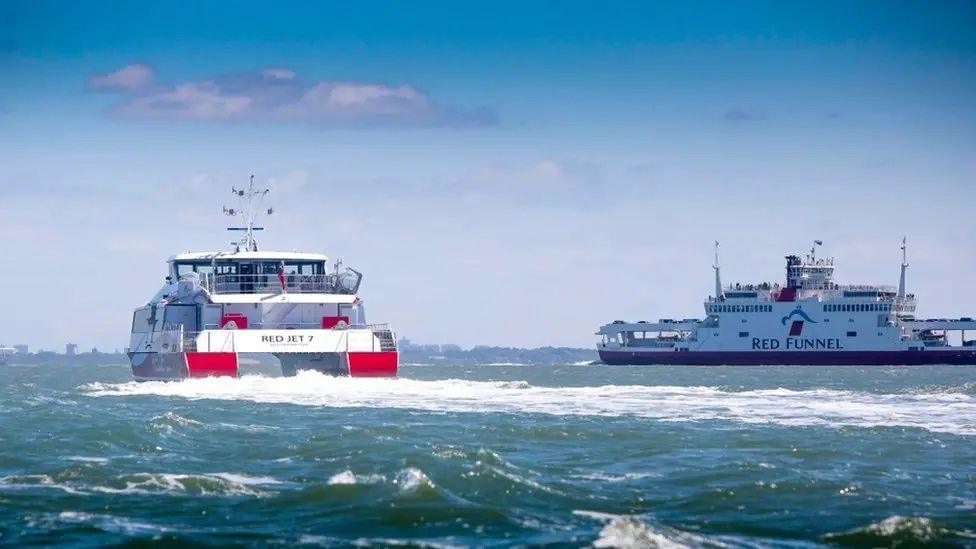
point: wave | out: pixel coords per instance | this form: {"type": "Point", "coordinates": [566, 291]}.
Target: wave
{"type": "Point", "coordinates": [347, 477]}
{"type": "Point", "coordinates": [212, 484]}
{"type": "Point", "coordinates": [898, 530]}
{"type": "Point", "coordinates": [110, 523]}
{"type": "Point", "coordinates": [630, 532]}
{"type": "Point", "coordinates": [944, 412]}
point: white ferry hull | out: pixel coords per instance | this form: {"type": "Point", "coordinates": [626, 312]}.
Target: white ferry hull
{"type": "Point", "coordinates": [791, 358]}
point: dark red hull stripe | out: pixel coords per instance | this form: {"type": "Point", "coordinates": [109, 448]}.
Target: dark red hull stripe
{"type": "Point", "coordinates": [762, 358]}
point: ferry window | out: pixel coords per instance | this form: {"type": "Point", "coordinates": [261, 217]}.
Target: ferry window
{"type": "Point", "coordinates": [743, 334]}
{"type": "Point", "coordinates": [183, 268]}
{"type": "Point", "coordinates": [205, 269]}
{"type": "Point", "coordinates": [851, 334]}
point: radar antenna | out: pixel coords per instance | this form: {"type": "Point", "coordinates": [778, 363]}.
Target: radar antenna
{"type": "Point", "coordinates": [813, 250]}
{"type": "Point", "coordinates": [904, 267]}
{"type": "Point", "coordinates": [248, 208]}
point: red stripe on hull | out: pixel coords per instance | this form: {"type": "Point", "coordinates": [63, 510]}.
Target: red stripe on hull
{"type": "Point", "coordinates": [381, 364]}
{"type": "Point", "coordinates": [787, 358]}
{"type": "Point", "coordinates": [212, 364]}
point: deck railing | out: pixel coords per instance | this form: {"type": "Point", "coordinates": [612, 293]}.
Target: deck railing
{"type": "Point", "coordinates": [271, 284]}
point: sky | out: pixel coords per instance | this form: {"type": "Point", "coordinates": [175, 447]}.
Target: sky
{"type": "Point", "coordinates": [505, 173]}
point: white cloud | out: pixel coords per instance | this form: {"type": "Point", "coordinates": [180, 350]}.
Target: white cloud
{"type": "Point", "coordinates": [280, 74]}
{"type": "Point", "coordinates": [192, 101]}
{"type": "Point", "coordinates": [130, 78]}
{"type": "Point", "coordinates": [277, 95]}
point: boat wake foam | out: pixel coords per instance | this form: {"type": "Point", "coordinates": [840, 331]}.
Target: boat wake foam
{"type": "Point", "coordinates": [943, 412]}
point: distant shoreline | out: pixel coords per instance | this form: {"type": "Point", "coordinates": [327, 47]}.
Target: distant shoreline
{"type": "Point", "coordinates": [481, 355]}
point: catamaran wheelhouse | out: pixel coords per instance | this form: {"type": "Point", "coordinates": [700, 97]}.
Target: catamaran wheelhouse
{"type": "Point", "coordinates": [216, 306]}
{"type": "Point", "coordinates": [810, 319]}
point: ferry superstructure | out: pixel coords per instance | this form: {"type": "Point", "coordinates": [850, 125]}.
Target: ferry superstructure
{"type": "Point", "coordinates": [216, 306]}
{"type": "Point", "coordinates": [809, 320]}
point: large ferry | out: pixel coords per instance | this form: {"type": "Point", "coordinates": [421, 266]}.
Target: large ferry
{"type": "Point", "coordinates": [810, 319]}
{"type": "Point", "coordinates": [216, 306]}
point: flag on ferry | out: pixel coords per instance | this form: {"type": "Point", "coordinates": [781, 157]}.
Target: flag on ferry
{"type": "Point", "coordinates": [281, 277]}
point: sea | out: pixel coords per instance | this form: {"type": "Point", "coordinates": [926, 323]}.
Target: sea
{"type": "Point", "coordinates": [503, 455]}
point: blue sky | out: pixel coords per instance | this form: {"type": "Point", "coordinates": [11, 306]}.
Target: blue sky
{"type": "Point", "coordinates": [507, 173]}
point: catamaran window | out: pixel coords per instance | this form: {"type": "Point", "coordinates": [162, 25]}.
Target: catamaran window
{"type": "Point", "coordinates": [140, 322]}
{"type": "Point", "coordinates": [851, 334]}
{"type": "Point", "coordinates": [743, 334]}
{"type": "Point", "coordinates": [183, 268]}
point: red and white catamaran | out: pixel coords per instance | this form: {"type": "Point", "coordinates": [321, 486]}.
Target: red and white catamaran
{"type": "Point", "coordinates": [216, 306]}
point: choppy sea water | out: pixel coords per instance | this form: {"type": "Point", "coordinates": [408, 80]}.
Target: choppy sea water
{"type": "Point", "coordinates": [570, 455]}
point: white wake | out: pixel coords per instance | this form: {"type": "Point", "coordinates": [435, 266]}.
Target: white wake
{"type": "Point", "coordinates": [947, 412]}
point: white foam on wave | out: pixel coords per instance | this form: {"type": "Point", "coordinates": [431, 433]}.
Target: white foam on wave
{"type": "Point", "coordinates": [412, 479]}
{"type": "Point", "coordinates": [630, 532]}
{"type": "Point", "coordinates": [211, 484]}
{"type": "Point", "coordinates": [606, 477]}
{"type": "Point", "coordinates": [899, 530]}
{"type": "Point", "coordinates": [349, 478]}
{"type": "Point", "coordinates": [111, 523]}
{"type": "Point", "coordinates": [947, 412]}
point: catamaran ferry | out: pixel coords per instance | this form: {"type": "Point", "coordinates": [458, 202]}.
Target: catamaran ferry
{"type": "Point", "coordinates": [809, 320]}
{"type": "Point", "coordinates": [216, 306]}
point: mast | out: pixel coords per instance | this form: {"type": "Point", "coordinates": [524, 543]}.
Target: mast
{"type": "Point", "coordinates": [718, 276]}
{"type": "Point", "coordinates": [249, 208]}
{"type": "Point", "coordinates": [904, 267]}
{"type": "Point", "coordinates": [813, 250]}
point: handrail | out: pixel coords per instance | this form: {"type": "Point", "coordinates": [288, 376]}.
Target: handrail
{"type": "Point", "coordinates": [271, 284]}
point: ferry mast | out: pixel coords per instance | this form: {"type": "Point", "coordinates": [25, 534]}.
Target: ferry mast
{"type": "Point", "coordinates": [904, 267]}
{"type": "Point", "coordinates": [249, 208]}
